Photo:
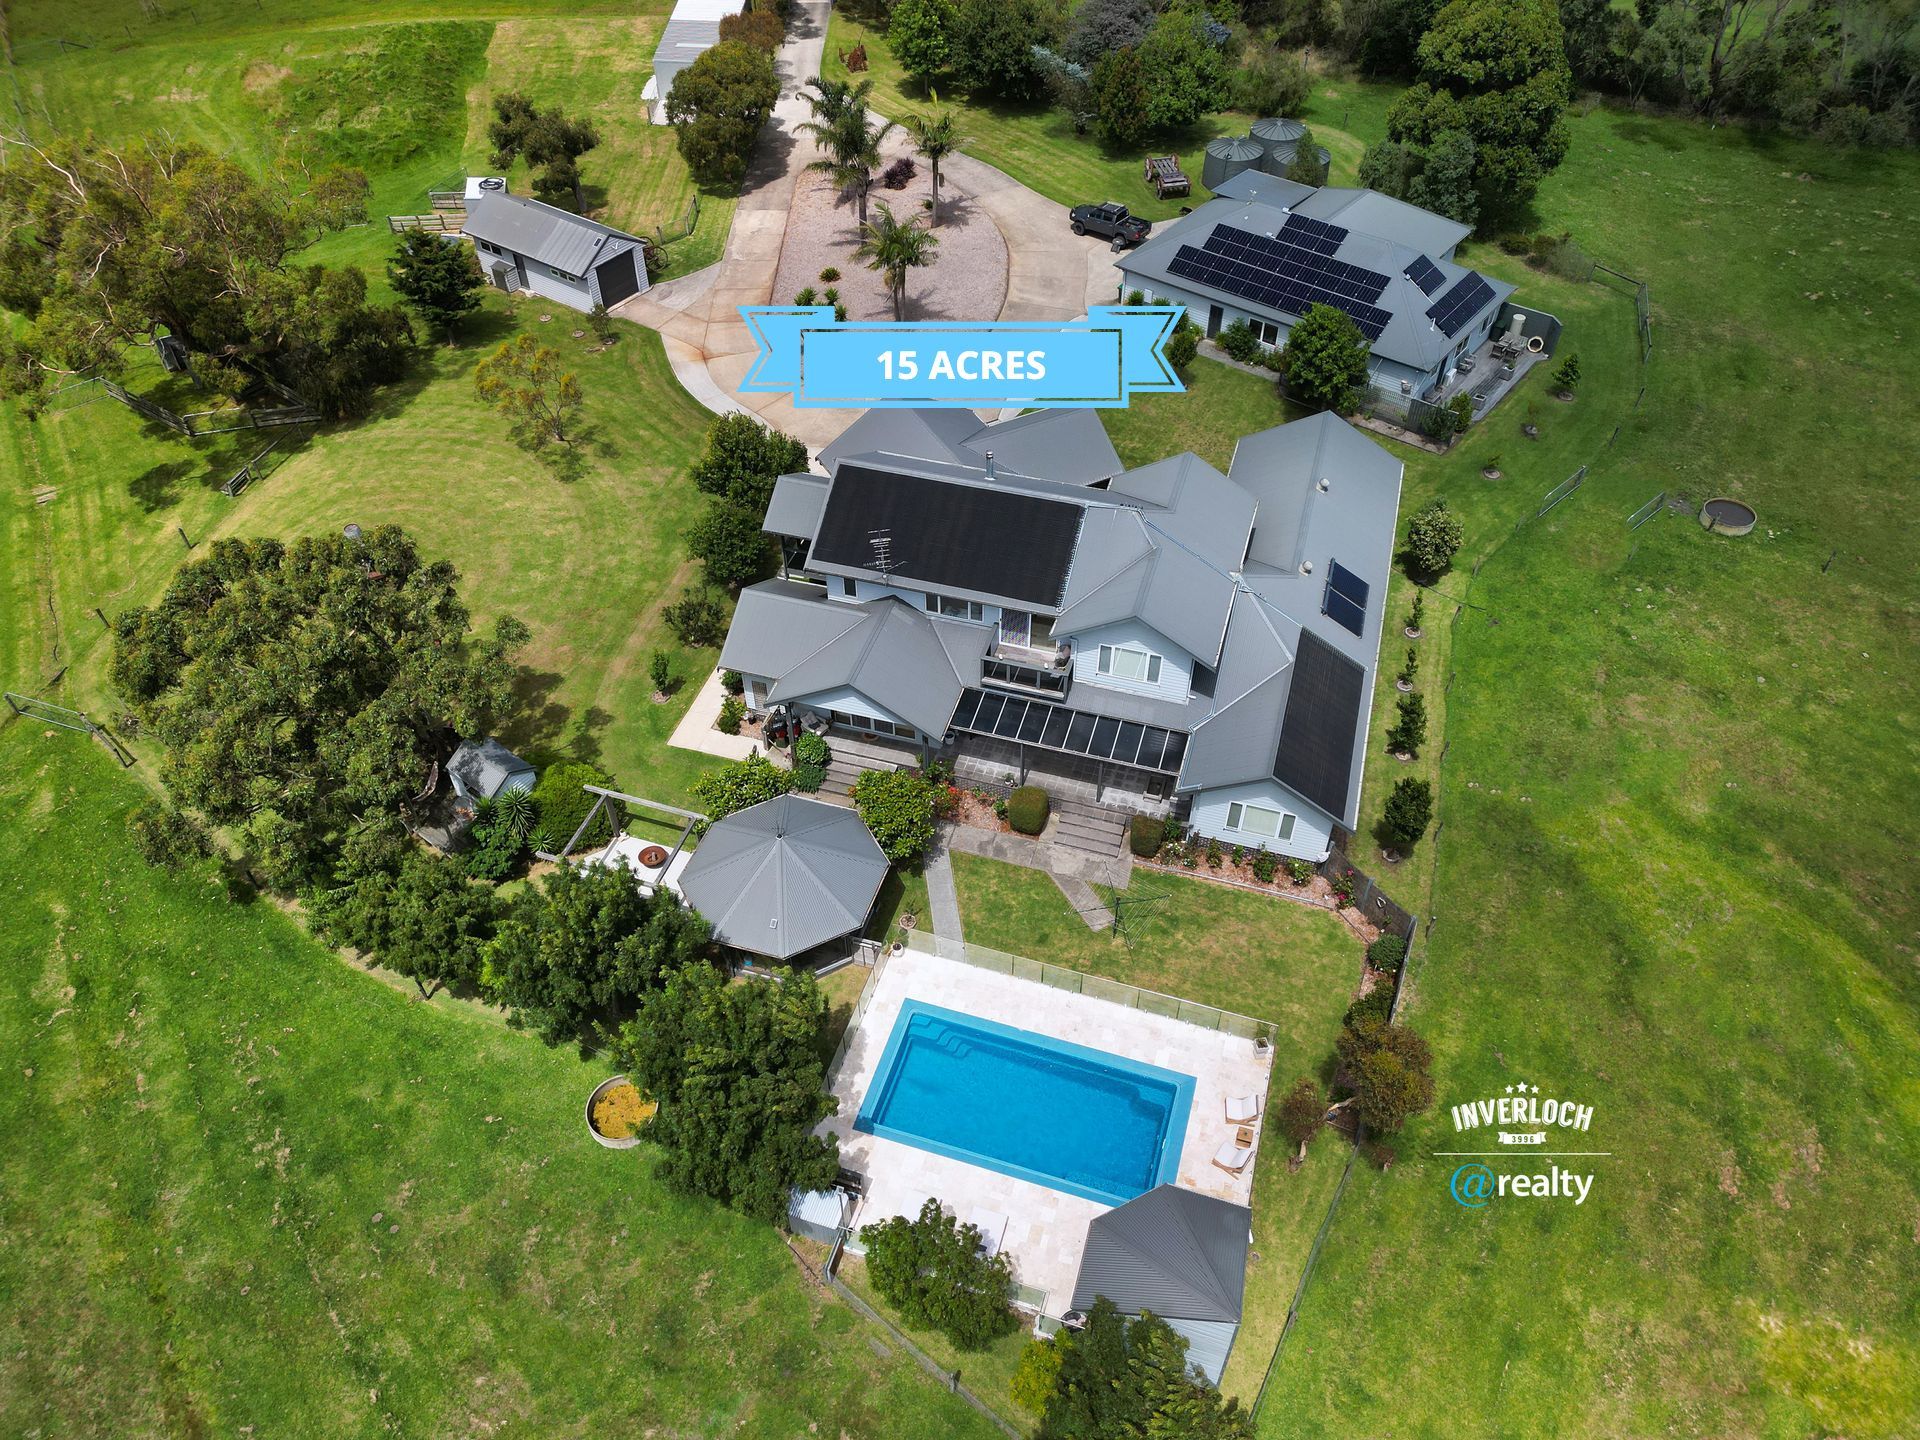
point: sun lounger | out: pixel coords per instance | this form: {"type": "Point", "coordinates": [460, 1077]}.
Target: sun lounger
{"type": "Point", "coordinates": [1233, 1158]}
{"type": "Point", "coordinates": [1243, 1109]}
{"type": "Point", "coordinates": [992, 1226]}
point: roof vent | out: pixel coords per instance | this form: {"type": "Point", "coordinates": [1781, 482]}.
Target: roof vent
{"type": "Point", "coordinates": [1306, 567]}
{"type": "Point", "coordinates": [1325, 484]}
{"type": "Point", "coordinates": [989, 464]}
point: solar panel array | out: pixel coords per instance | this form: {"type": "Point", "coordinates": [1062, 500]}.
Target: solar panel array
{"type": "Point", "coordinates": [1287, 272]}
{"type": "Point", "coordinates": [1424, 273]}
{"type": "Point", "coordinates": [1345, 600]}
{"type": "Point", "coordinates": [1077, 732]}
{"type": "Point", "coordinates": [1460, 304]}
{"type": "Point", "coordinates": [1315, 754]}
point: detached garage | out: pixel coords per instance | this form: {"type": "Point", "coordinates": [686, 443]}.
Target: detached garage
{"type": "Point", "coordinates": [523, 244]}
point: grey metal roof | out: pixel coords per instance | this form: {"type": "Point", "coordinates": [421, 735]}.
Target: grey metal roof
{"type": "Point", "coordinates": [1069, 446]}
{"type": "Point", "coordinates": [785, 875]}
{"type": "Point", "coordinates": [902, 659]}
{"type": "Point", "coordinates": [923, 434]}
{"type": "Point", "coordinates": [483, 766]}
{"type": "Point", "coordinates": [540, 231]}
{"type": "Point", "coordinates": [1352, 520]}
{"type": "Point", "coordinates": [1406, 232]}
{"type": "Point", "coordinates": [1274, 190]}
{"type": "Point", "coordinates": [1178, 1253]}
{"type": "Point", "coordinates": [796, 506]}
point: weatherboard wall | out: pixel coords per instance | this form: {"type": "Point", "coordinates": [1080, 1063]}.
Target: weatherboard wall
{"type": "Point", "coordinates": [1312, 836]}
{"type": "Point", "coordinates": [1176, 666]}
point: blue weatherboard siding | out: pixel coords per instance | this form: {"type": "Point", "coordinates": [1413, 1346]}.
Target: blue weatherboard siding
{"type": "Point", "coordinates": [1060, 1115]}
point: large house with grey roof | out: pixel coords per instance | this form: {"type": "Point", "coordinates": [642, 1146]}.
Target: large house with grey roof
{"type": "Point", "coordinates": [1010, 596]}
{"type": "Point", "coordinates": [1266, 248]}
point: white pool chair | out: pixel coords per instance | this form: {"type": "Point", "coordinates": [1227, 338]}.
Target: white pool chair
{"type": "Point", "coordinates": [1243, 1109]}
{"type": "Point", "coordinates": [1233, 1157]}
{"type": "Point", "coordinates": [992, 1226]}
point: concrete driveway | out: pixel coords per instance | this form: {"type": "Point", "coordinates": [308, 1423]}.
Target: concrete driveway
{"type": "Point", "coordinates": [1053, 274]}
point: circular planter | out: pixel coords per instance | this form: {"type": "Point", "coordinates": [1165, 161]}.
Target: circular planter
{"type": "Point", "coordinates": [1491, 472]}
{"type": "Point", "coordinates": [1412, 634]}
{"type": "Point", "coordinates": [1405, 687]}
{"type": "Point", "coordinates": [1724, 516]}
{"type": "Point", "coordinates": [611, 1142]}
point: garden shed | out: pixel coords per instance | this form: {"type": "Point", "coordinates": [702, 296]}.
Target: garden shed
{"type": "Point", "coordinates": [1180, 1254]}
{"type": "Point", "coordinates": [484, 769]}
{"type": "Point", "coordinates": [783, 876]}
{"type": "Point", "coordinates": [525, 244]}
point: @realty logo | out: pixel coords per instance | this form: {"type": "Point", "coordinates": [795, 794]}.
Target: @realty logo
{"type": "Point", "coordinates": [1477, 1183]}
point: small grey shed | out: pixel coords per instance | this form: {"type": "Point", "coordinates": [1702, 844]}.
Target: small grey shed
{"type": "Point", "coordinates": [482, 769]}
{"type": "Point", "coordinates": [785, 875]}
{"type": "Point", "coordinates": [1180, 1254]}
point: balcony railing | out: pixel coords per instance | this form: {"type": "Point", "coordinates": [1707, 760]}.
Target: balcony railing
{"type": "Point", "coordinates": [1025, 677]}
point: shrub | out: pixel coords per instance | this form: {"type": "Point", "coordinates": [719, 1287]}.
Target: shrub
{"type": "Point", "coordinates": [1027, 809]}
{"type": "Point", "coordinates": [1326, 360]}
{"type": "Point", "coordinates": [732, 682]}
{"type": "Point", "coordinates": [1038, 1374]}
{"type": "Point", "coordinates": [1213, 854]}
{"type": "Point", "coordinates": [1299, 871]}
{"type": "Point", "coordinates": [931, 1270]}
{"type": "Point", "coordinates": [660, 671]}
{"type": "Point", "coordinates": [1390, 1069]}
{"type": "Point", "coordinates": [811, 749]}
{"type": "Point", "coordinates": [561, 804]}
{"type": "Point", "coordinates": [1183, 346]}
{"type": "Point", "coordinates": [736, 786]}
{"type": "Point", "coordinates": [1302, 1112]}
{"type": "Point", "coordinates": [1238, 855]}
{"type": "Point", "coordinates": [806, 295]}
{"type": "Point", "coordinates": [898, 808]}
{"type": "Point", "coordinates": [1342, 884]}
{"type": "Point", "coordinates": [167, 836]}
{"type": "Point", "coordinates": [1374, 1006]}
{"type": "Point", "coordinates": [1239, 342]}
{"type": "Point", "coordinates": [1412, 667]}
{"type": "Point", "coordinates": [1264, 865]}
{"type": "Point", "coordinates": [1409, 729]}
{"type": "Point", "coordinates": [698, 618]}
{"type": "Point", "coordinates": [1136, 297]}
{"type": "Point", "coordinates": [1419, 609]}
{"type": "Point", "coordinates": [1387, 952]}
{"type": "Point", "coordinates": [830, 274]}
{"type": "Point", "coordinates": [1568, 375]}
{"type": "Point", "coordinates": [896, 175]}
{"type": "Point", "coordinates": [1408, 811]}
{"type": "Point", "coordinates": [809, 778]}
{"type": "Point", "coordinates": [733, 710]}
{"type": "Point", "coordinates": [1145, 834]}
{"type": "Point", "coordinates": [1433, 539]}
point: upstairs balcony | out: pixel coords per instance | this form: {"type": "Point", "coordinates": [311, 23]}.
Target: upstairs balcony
{"type": "Point", "coordinates": [1027, 664]}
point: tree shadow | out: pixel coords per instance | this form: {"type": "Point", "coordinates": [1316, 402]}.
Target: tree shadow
{"type": "Point", "coordinates": [1640, 130]}
{"type": "Point", "coordinates": [568, 463]}
{"type": "Point", "coordinates": [533, 716]}
{"type": "Point", "coordinates": [158, 488]}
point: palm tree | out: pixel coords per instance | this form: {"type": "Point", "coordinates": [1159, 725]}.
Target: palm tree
{"type": "Point", "coordinates": [893, 247]}
{"type": "Point", "coordinates": [935, 136]}
{"type": "Point", "coordinates": [837, 97]}
{"type": "Point", "coordinates": [852, 142]}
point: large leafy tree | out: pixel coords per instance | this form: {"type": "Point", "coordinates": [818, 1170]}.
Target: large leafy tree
{"type": "Point", "coordinates": [931, 1270]}
{"type": "Point", "coordinates": [728, 540]}
{"type": "Point", "coordinates": [298, 688]}
{"type": "Point", "coordinates": [528, 383]}
{"type": "Point", "coordinates": [575, 954]}
{"type": "Point", "coordinates": [920, 34]}
{"type": "Point", "coordinates": [739, 1078]}
{"type": "Point", "coordinates": [736, 786]}
{"type": "Point", "coordinates": [1101, 27]}
{"type": "Point", "coordinates": [1326, 360]}
{"type": "Point", "coordinates": [1389, 1068]}
{"type": "Point", "coordinates": [717, 106]}
{"type": "Point", "coordinates": [1183, 67]}
{"type": "Point", "coordinates": [899, 809]}
{"type": "Point", "coordinates": [742, 458]}
{"type": "Point", "coordinates": [1121, 1376]}
{"type": "Point", "coordinates": [995, 43]}
{"type": "Point", "coordinates": [895, 247]}
{"type": "Point", "coordinates": [1494, 71]}
{"type": "Point", "coordinates": [407, 907]}
{"type": "Point", "coordinates": [438, 277]}
{"type": "Point", "coordinates": [106, 248]}
{"type": "Point", "coordinates": [550, 141]}
{"type": "Point", "coordinates": [1119, 90]}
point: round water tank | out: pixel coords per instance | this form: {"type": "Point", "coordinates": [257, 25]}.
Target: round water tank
{"type": "Point", "coordinates": [1277, 134]}
{"type": "Point", "coordinates": [1226, 158]}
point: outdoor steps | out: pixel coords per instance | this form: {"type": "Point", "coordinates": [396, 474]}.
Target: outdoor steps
{"type": "Point", "coordinates": [1089, 829]}
{"type": "Point", "coordinates": [850, 757]}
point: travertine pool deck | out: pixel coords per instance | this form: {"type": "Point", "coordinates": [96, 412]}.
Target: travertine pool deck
{"type": "Point", "coordinates": [1046, 1228]}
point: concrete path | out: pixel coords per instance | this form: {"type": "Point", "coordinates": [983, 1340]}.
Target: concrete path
{"type": "Point", "coordinates": [943, 897]}
{"type": "Point", "coordinates": [1053, 274]}
{"type": "Point", "coordinates": [696, 728]}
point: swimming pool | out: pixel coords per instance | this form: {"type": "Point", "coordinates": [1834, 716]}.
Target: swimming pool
{"type": "Point", "coordinates": [1092, 1124]}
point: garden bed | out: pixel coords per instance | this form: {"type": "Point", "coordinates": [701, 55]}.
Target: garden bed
{"type": "Point", "coordinates": [1317, 891]}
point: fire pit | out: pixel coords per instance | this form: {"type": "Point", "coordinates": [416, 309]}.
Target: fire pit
{"type": "Point", "coordinates": [1727, 517]}
{"type": "Point", "coordinates": [653, 857]}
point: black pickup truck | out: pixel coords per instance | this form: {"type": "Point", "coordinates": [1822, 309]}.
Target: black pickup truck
{"type": "Point", "coordinates": [1112, 220]}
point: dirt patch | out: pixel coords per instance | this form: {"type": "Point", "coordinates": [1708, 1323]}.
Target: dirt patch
{"type": "Point", "coordinates": [966, 281]}
{"type": "Point", "coordinates": [261, 76]}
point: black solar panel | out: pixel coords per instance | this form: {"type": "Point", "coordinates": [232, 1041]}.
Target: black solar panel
{"type": "Point", "coordinates": [1460, 304]}
{"type": "Point", "coordinates": [1315, 756]}
{"type": "Point", "coordinates": [1345, 600]}
{"type": "Point", "coordinates": [1424, 273]}
{"type": "Point", "coordinates": [1287, 272]}
{"type": "Point", "coordinates": [1059, 727]}
{"type": "Point", "coordinates": [961, 537]}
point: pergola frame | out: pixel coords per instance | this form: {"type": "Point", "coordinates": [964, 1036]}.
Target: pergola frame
{"type": "Point", "coordinates": [601, 797]}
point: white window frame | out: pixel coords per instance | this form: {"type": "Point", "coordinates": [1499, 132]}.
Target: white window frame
{"type": "Point", "coordinates": [1150, 663]}
{"type": "Point", "coordinates": [1266, 332]}
{"type": "Point", "coordinates": [1239, 812]}
{"type": "Point", "coordinates": [950, 608]}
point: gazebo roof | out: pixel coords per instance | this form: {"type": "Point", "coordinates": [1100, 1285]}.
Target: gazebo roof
{"type": "Point", "coordinates": [785, 875]}
{"type": "Point", "coordinates": [1175, 1252]}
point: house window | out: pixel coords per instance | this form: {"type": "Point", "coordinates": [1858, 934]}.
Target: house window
{"type": "Point", "coordinates": [484, 245]}
{"type": "Point", "coordinates": [1262, 820]}
{"type": "Point", "coordinates": [957, 609]}
{"type": "Point", "coordinates": [847, 587]}
{"type": "Point", "coordinates": [1266, 331]}
{"type": "Point", "coordinates": [1129, 662]}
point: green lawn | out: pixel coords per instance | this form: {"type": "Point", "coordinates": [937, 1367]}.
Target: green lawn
{"type": "Point", "coordinates": [248, 1190]}
{"type": "Point", "coordinates": [1675, 879]}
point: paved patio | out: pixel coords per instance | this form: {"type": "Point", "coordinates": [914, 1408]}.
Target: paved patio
{"type": "Point", "coordinates": [1046, 1228]}
{"type": "Point", "coordinates": [696, 728]}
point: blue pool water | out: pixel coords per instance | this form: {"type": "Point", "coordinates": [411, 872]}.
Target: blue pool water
{"type": "Point", "coordinates": [1060, 1115]}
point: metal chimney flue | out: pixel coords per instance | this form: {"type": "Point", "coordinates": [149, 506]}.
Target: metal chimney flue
{"type": "Point", "coordinates": [989, 464]}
